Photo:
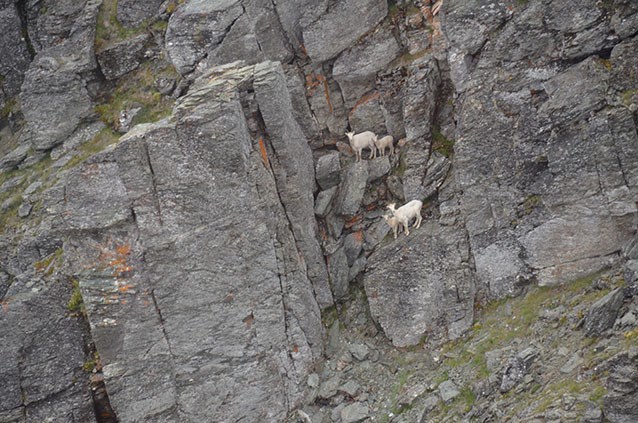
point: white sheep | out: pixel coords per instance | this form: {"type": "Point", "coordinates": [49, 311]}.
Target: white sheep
{"type": "Point", "coordinates": [393, 223]}
{"type": "Point", "coordinates": [363, 140]}
{"type": "Point", "coordinates": [385, 142]}
{"type": "Point", "coordinates": [407, 212]}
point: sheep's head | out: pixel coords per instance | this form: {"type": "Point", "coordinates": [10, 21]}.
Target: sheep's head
{"type": "Point", "coordinates": [387, 217]}
{"type": "Point", "coordinates": [391, 206]}
{"type": "Point", "coordinates": [350, 135]}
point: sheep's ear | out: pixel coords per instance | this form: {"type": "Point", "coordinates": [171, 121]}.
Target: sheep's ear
{"type": "Point", "coordinates": [391, 205]}
{"type": "Point", "coordinates": [349, 134]}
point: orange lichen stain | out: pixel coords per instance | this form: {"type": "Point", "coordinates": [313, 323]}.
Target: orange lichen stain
{"type": "Point", "coordinates": [326, 91]}
{"type": "Point", "coordinates": [123, 249]}
{"type": "Point", "coordinates": [248, 320]}
{"type": "Point", "coordinates": [353, 221]}
{"type": "Point", "coordinates": [125, 288]}
{"type": "Point", "coordinates": [264, 153]}
{"type": "Point", "coordinates": [358, 236]}
{"type": "Point", "coordinates": [365, 99]}
{"type": "Point", "coordinates": [5, 305]}
{"type": "Point", "coordinates": [295, 348]}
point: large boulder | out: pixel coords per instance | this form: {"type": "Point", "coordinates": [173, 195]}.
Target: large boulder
{"type": "Point", "coordinates": [196, 275]}
{"type": "Point", "coordinates": [541, 149]}
{"type": "Point", "coordinates": [14, 52]}
{"type": "Point", "coordinates": [422, 285]}
{"type": "Point", "coordinates": [341, 26]}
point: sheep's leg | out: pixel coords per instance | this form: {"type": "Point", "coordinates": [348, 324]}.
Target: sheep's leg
{"type": "Point", "coordinates": [405, 228]}
{"type": "Point", "coordinates": [418, 220]}
{"type": "Point", "coordinates": [373, 153]}
{"type": "Point", "coordinates": [395, 230]}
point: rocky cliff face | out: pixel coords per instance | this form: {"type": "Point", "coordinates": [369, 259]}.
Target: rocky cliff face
{"type": "Point", "coordinates": [182, 216]}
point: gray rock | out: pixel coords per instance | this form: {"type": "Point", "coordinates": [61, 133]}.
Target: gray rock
{"type": "Point", "coordinates": [351, 388]}
{"type": "Point", "coordinates": [620, 405]}
{"type": "Point", "coordinates": [132, 13]}
{"type": "Point", "coordinates": [179, 187]}
{"type": "Point", "coordinates": [323, 201]}
{"type": "Point", "coordinates": [395, 186]}
{"type": "Point", "coordinates": [338, 270]}
{"type": "Point", "coordinates": [352, 246]}
{"type": "Point", "coordinates": [198, 27]}
{"type": "Point", "coordinates": [335, 224]}
{"type": "Point", "coordinates": [375, 234]}
{"type": "Point", "coordinates": [328, 388]}
{"type": "Point", "coordinates": [421, 284]}
{"type": "Point", "coordinates": [448, 391]}
{"type": "Point", "coordinates": [13, 49]}
{"type": "Point", "coordinates": [328, 171]}
{"type": "Point", "coordinates": [572, 364]}
{"type": "Point", "coordinates": [368, 115]}
{"type": "Point", "coordinates": [359, 351]}
{"type": "Point", "coordinates": [352, 188]}
{"type": "Point", "coordinates": [602, 314]}
{"type": "Point", "coordinates": [313, 380]}
{"type": "Point", "coordinates": [355, 412]}
{"type": "Point", "coordinates": [25, 209]}
{"type": "Point", "coordinates": [14, 158]}
{"type": "Point", "coordinates": [333, 32]}
{"type": "Point", "coordinates": [33, 187]}
{"type": "Point", "coordinates": [121, 58]}
{"type": "Point", "coordinates": [378, 168]}
{"type": "Point", "coordinates": [224, 32]}
{"type": "Point", "coordinates": [355, 69]}
{"type": "Point", "coordinates": [294, 171]}
{"type": "Point", "coordinates": [517, 368]}
{"type": "Point", "coordinates": [357, 267]}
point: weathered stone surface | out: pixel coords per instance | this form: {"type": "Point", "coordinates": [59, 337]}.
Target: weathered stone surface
{"type": "Point", "coordinates": [351, 188]}
{"type": "Point", "coordinates": [54, 95]}
{"type": "Point", "coordinates": [211, 20]}
{"type": "Point", "coordinates": [13, 50]}
{"type": "Point", "coordinates": [333, 32]}
{"type": "Point", "coordinates": [352, 245]}
{"type": "Point", "coordinates": [419, 103]}
{"type": "Point", "coordinates": [368, 115]}
{"type": "Point", "coordinates": [448, 391]}
{"type": "Point", "coordinates": [602, 314]}
{"type": "Point", "coordinates": [517, 368]}
{"type": "Point", "coordinates": [328, 172]}
{"type": "Point", "coordinates": [541, 149]}
{"type": "Point", "coordinates": [14, 158]}
{"type": "Point", "coordinates": [338, 270]}
{"type": "Point", "coordinates": [323, 201]}
{"type": "Point", "coordinates": [355, 70]}
{"type": "Point", "coordinates": [354, 412]}
{"type": "Point", "coordinates": [132, 13]}
{"type": "Point", "coordinates": [421, 284]}
{"type": "Point", "coordinates": [294, 170]}
{"type": "Point", "coordinates": [121, 58]}
{"type": "Point", "coordinates": [620, 405]}
{"type": "Point", "coordinates": [224, 32]}
{"type": "Point", "coordinates": [181, 178]}
{"type": "Point", "coordinates": [42, 354]}
{"type": "Point", "coordinates": [378, 168]}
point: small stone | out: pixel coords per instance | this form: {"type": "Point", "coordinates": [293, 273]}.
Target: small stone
{"type": "Point", "coordinates": [354, 412]}
{"type": "Point", "coordinates": [602, 314]}
{"type": "Point", "coordinates": [359, 351]}
{"type": "Point", "coordinates": [357, 267]}
{"type": "Point", "coordinates": [328, 388]}
{"type": "Point", "coordinates": [328, 171]}
{"type": "Point", "coordinates": [352, 245]}
{"type": "Point", "coordinates": [448, 391]}
{"type": "Point", "coordinates": [322, 203]}
{"type": "Point", "coordinates": [395, 186]}
{"type": "Point", "coordinates": [32, 188]}
{"type": "Point", "coordinates": [351, 388]}
{"type": "Point", "coordinates": [336, 412]}
{"type": "Point", "coordinates": [575, 361]}
{"type": "Point", "coordinates": [313, 380]}
{"type": "Point", "coordinates": [25, 209]}
{"type": "Point", "coordinates": [378, 167]}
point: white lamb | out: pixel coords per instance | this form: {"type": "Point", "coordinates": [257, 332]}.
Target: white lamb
{"type": "Point", "coordinates": [407, 212]}
{"type": "Point", "coordinates": [385, 142]}
{"type": "Point", "coordinates": [363, 140]}
{"type": "Point", "coordinates": [393, 223]}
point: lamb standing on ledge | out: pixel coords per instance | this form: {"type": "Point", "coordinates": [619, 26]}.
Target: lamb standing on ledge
{"type": "Point", "coordinates": [385, 142]}
{"type": "Point", "coordinates": [393, 223]}
{"type": "Point", "coordinates": [406, 212]}
{"type": "Point", "coordinates": [363, 140]}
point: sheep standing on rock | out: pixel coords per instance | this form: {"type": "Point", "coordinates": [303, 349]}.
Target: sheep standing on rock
{"type": "Point", "coordinates": [385, 142]}
{"type": "Point", "coordinates": [363, 140]}
{"type": "Point", "coordinates": [406, 213]}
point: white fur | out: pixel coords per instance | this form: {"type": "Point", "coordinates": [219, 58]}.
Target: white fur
{"type": "Point", "coordinates": [385, 142]}
{"type": "Point", "coordinates": [407, 212]}
{"type": "Point", "coordinates": [363, 140]}
{"type": "Point", "coordinates": [393, 223]}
